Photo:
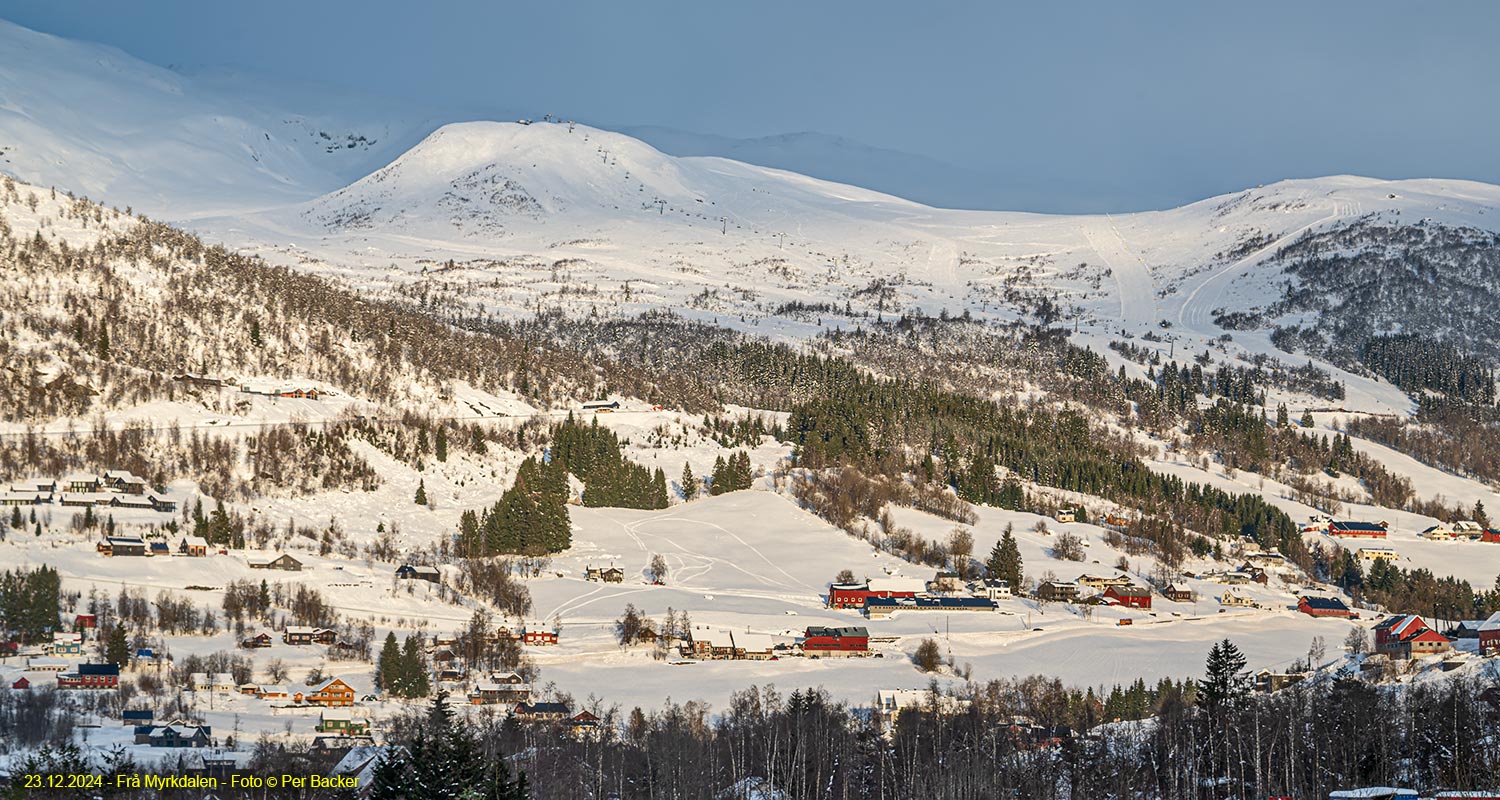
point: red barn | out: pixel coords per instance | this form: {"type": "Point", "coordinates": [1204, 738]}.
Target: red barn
{"type": "Point", "coordinates": [1491, 535]}
{"type": "Point", "coordinates": [1129, 596]}
{"type": "Point", "coordinates": [21, 683]}
{"type": "Point", "coordinates": [821, 641]}
{"type": "Point", "coordinates": [85, 621]}
{"type": "Point", "coordinates": [1489, 635]}
{"type": "Point", "coordinates": [1324, 607]}
{"type": "Point", "coordinates": [1357, 530]}
{"type": "Point", "coordinates": [854, 595]}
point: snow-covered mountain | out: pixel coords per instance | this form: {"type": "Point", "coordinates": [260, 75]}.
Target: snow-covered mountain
{"type": "Point", "coordinates": [509, 218]}
{"type": "Point", "coordinates": [99, 122]}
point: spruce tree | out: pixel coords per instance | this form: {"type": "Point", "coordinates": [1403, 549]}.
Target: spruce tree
{"type": "Point", "coordinates": [689, 482]}
{"type": "Point", "coordinates": [1226, 683]}
{"type": "Point", "coordinates": [388, 666]}
{"type": "Point", "coordinates": [1307, 418]}
{"type": "Point", "coordinates": [421, 498]}
{"type": "Point", "coordinates": [659, 497]}
{"type": "Point", "coordinates": [116, 646]}
{"type": "Point", "coordinates": [441, 447]}
{"type": "Point", "coordinates": [1005, 560]}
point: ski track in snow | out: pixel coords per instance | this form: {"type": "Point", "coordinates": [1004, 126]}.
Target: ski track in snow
{"type": "Point", "coordinates": [1132, 276]}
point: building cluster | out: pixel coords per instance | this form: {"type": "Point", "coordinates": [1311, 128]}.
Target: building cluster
{"type": "Point", "coordinates": [111, 489]}
{"type": "Point", "coordinates": [138, 547]}
{"type": "Point", "coordinates": [723, 645]}
{"type": "Point", "coordinates": [1462, 530]}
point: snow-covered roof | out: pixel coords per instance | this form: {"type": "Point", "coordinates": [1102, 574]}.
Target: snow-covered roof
{"type": "Point", "coordinates": [1491, 624]}
{"type": "Point", "coordinates": [897, 584]}
{"type": "Point", "coordinates": [753, 642]}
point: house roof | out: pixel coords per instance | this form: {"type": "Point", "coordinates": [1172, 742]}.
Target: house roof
{"type": "Point", "coordinates": [1128, 591]}
{"type": "Point", "coordinates": [1491, 624]}
{"type": "Point", "coordinates": [897, 585]}
{"type": "Point", "coordinates": [1349, 525]}
{"type": "Point", "coordinates": [753, 642]}
{"type": "Point", "coordinates": [541, 708]}
{"type": "Point", "coordinates": [1323, 603]}
{"type": "Point", "coordinates": [195, 541]}
{"type": "Point", "coordinates": [98, 669]}
{"type": "Point", "coordinates": [855, 632]}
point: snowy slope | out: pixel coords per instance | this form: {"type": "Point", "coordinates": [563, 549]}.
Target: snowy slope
{"type": "Point", "coordinates": [98, 122]}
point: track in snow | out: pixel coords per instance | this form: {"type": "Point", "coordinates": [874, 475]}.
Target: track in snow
{"type": "Point", "coordinates": [1137, 289]}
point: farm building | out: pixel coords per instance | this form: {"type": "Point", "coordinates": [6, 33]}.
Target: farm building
{"type": "Point", "coordinates": [1324, 607]}
{"type": "Point", "coordinates": [877, 607]}
{"type": "Point", "coordinates": [281, 561]}
{"type": "Point", "coordinates": [1357, 530]}
{"type": "Point", "coordinates": [121, 546]}
{"type": "Point", "coordinates": [1128, 596]}
{"type": "Point", "coordinates": [335, 693]}
{"type": "Point", "coordinates": [854, 595]}
{"type": "Point", "coordinates": [848, 641]}
{"type": "Point", "coordinates": [409, 572]}
{"type": "Point", "coordinates": [1489, 635]}
{"type": "Point", "coordinates": [1178, 592]}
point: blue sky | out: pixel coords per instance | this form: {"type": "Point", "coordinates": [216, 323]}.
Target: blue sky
{"type": "Point", "coordinates": [1055, 105]}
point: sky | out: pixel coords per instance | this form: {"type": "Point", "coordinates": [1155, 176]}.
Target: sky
{"type": "Point", "coordinates": [1047, 106]}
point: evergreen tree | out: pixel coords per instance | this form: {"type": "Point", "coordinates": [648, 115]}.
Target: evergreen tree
{"type": "Point", "coordinates": [102, 349]}
{"type": "Point", "coordinates": [440, 447]}
{"type": "Point", "coordinates": [421, 498]}
{"type": "Point", "coordinates": [717, 478]}
{"type": "Point", "coordinates": [1005, 560]}
{"type": "Point", "coordinates": [659, 497]}
{"type": "Point", "coordinates": [15, 517]}
{"type": "Point", "coordinates": [1480, 516]}
{"type": "Point", "coordinates": [689, 482]}
{"type": "Point", "coordinates": [1307, 418]}
{"type": "Point", "coordinates": [1226, 684]}
{"type": "Point", "coordinates": [1282, 418]}
{"type": "Point", "coordinates": [388, 666]}
{"type": "Point", "coordinates": [116, 646]}
{"type": "Point", "coordinates": [255, 332]}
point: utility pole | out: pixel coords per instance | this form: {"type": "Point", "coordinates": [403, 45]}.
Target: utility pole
{"type": "Point", "coordinates": [724, 225]}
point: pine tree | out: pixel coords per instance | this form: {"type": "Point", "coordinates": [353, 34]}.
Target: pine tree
{"type": "Point", "coordinates": [441, 446]}
{"type": "Point", "coordinates": [689, 482]}
{"type": "Point", "coordinates": [15, 517]}
{"type": "Point", "coordinates": [388, 666]}
{"type": "Point", "coordinates": [103, 346]}
{"type": "Point", "coordinates": [1282, 418]}
{"type": "Point", "coordinates": [1307, 418]}
{"type": "Point", "coordinates": [659, 497]}
{"type": "Point", "coordinates": [421, 498]}
{"type": "Point", "coordinates": [718, 478]}
{"type": "Point", "coordinates": [1479, 514]}
{"type": "Point", "coordinates": [1226, 683]}
{"type": "Point", "coordinates": [1004, 561]}
{"type": "Point", "coordinates": [116, 646]}
{"type": "Point", "coordinates": [255, 332]}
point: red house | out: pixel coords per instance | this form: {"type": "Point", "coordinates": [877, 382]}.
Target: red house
{"type": "Point", "coordinates": [90, 676]}
{"type": "Point", "coordinates": [1491, 535]}
{"type": "Point", "coordinates": [1129, 596]}
{"type": "Point", "coordinates": [85, 621]}
{"type": "Point", "coordinates": [1409, 636]}
{"type": "Point", "coordinates": [21, 683]}
{"type": "Point", "coordinates": [1357, 530]}
{"type": "Point", "coordinates": [1324, 607]}
{"type": "Point", "coordinates": [821, 641]}
{"type": "Point", "coordinates": [1489, 635]}
{"type": "Point", "coordinates": [539, 636]}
